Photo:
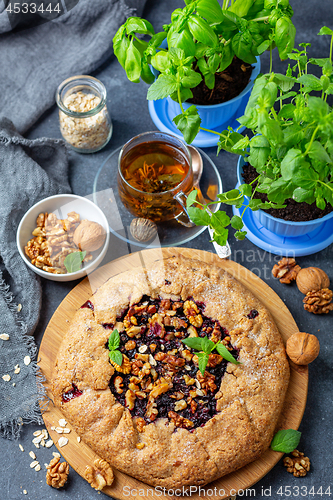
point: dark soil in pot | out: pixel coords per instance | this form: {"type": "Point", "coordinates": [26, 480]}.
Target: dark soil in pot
{"type": "Point", "coordinates": [296, 212]}
{"type": "Point", "coordinates": [228, 84]}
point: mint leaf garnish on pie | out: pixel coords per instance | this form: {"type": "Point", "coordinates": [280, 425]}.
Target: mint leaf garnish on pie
{"type": "Point", "coordinates": [206, 346]}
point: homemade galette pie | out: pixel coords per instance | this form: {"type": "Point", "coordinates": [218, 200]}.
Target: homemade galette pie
{"type": "Point", "coordinates": [155, 416]}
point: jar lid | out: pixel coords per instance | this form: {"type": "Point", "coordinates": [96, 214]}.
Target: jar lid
{"type": "Point", "coordinates": [77, 84]}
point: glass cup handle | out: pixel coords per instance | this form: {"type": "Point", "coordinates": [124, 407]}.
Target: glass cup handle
{"type": "Point", "coordinates": [183, 218]}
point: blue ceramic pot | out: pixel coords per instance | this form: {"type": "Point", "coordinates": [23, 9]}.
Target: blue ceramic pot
{"type": "Point", "coordinates": [217, 115]}
{"type": "Point", "coordinates": [282, 227]}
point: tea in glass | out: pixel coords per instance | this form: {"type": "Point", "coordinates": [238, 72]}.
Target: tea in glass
{"type": "Point", "coordinates": [151, 173]}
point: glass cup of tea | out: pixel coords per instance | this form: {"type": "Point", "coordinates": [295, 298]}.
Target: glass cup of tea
{"type": "Point", "coordinates": [155, 176]}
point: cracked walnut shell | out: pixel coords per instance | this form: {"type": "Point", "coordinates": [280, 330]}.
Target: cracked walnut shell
{"type": "Point", "coordinates": [297, 464]}
{"type": "Point", "coordinates": [319, 302]}
{"type": "Point", "coordinates": [100, 475]}
{"type": "Point", "coordinates": [302, 348]}
{"type": "Point", "coordinates": [286, 270]}
{"type": "Point", "coordinates": [312, 279]}
{"type": "Point", "coordinates": [57, 473]}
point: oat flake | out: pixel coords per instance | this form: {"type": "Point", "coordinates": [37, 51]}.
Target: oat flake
{"type": "Point", "coordinates": [27, 360]}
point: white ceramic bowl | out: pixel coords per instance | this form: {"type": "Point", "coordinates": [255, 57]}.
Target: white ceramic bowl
{"type": "Point", "coordinates": [61, 204]}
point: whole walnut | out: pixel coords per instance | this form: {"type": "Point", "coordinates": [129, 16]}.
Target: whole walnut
{"type": "Point", "coordinates": [312, 279]}
{"type": "Point", "coordinates": [89, 236]}
{"type": "Point", "coordinates": [302, 348]}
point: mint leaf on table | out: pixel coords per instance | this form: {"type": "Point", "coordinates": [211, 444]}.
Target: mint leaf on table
{"type": "Point", "coordinates": [116, 357]}
{"type": "Point", "coordinates": [286, 440]}
{"type": "Point", "coordinates": [73, 261]}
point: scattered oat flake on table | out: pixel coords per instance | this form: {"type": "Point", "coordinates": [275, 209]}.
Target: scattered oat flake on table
{"type": "Point", "coordinates": [62, 441]}
{"type": "Point", "coordinates": [66, 430]}
{"type": "Point", "coordinates": [4, 336]}
{"type": "Point", "coordinates": [56, 454]}
{"type": "Point", "coordinates": [48, 443]}
{"type": "Point", "coordinates": [59, 430]}
{"type": "Point", "coordinates": [32, 455]}
{"type": "Point", "coordinates": [6, 378]}
{"type": "Point", "coordinates": [37, 433]}
{"type": "Point", "coordinates": [13, 384]}
{"type": "Point", "coordinates": [21, 447]}
{"type": "Point", "coordinates": [78, 439]}
{"type": "Point", "coordinates": [37, 468]}
{"type": "Point", "coordinates": [25, 492]}
{"type": "Point", "coordinates": [62, 422]}
{"type": "Point", "coordinates": [27, 360]}
{"type": "Point", "coordinates": [33, 464]}
{"type": "Point", "coordinates": [19, 308]}
{"type": "Point", "coordinates": [17, 370]}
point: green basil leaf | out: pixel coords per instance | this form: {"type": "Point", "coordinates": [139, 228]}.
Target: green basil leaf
{"type": "Point", "coordinates": [226, 55]}
{"type": "Point", "coordinates": [188, 123]}
{"type": "Point", "coordinates": [133, 63]}
{"type": "Point", "coordinates": [202, 31]}
{"type": "Point", "coordinates": [223, 351]}
{"type": "Point", "coordinates": [120, 46]}
{"type": "Point", "coordinates": [114, 340]}
{"type": "Point", "coordinates": [183, 40]}
{"type": "Point", "coordinates": [73, 261]}
{"type": "Point", "coordinates": [203, 360]}
{"type": "Point", "coordinates": [116, 357]}
{"type": "Point", "coordinates": [285, 33]}
{"type": "Point", "coordinates": [242, 46]}
{"type": "Point", "coordinates": [138, 25]}
{"type": "Point", "coordinates": [146, 73]}
{"type": "Point", "coordinates": [286, 441]}
{"type": "Point", "coordinates": [293, 135]}
{"type": "Point", "coordinates": [191, 78]}
{"type": "Point", "coordinates": [164, 86]}
{"type": "Point", "coordinates": [193, 342]}
{"type": "Point", "coordinates": [210, 10]}
{"type": "Point", "coordinates": [199, 217]}
{"type": "Point", "coordinates": [237, 222]}
{"type": "Point", "coordinates": [162, 61]}
{"type": "Point", "coordinates": [241, 7]}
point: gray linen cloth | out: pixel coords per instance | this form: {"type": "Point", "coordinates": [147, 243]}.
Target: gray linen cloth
{"type": "Point", "coordinates": [34, 59]}
{"type": "Point", "coordinates": [33, 62]}
{"type": "Point", "coordinates": [30, 171]}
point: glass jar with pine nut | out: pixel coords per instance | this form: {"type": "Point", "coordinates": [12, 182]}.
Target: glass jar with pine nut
{"type": "Point", "coordinates": [85, 123]}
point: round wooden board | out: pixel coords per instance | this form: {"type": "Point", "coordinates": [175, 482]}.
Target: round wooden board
{"type": "Point", "coordinates": [79, 455]}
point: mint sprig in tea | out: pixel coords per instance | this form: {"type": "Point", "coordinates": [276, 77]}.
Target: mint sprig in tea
{"type": "Point", "coordinates": [151, 173]}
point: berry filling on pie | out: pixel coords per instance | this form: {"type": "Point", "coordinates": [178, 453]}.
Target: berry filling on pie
{"type": "Point", "coordinates": [159, 376]}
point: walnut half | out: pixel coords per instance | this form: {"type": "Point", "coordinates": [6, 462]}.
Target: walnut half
{"type": "Point", "coordinates": [100, 475]}
{"type": "Point", "coordinates": [57, 473]}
